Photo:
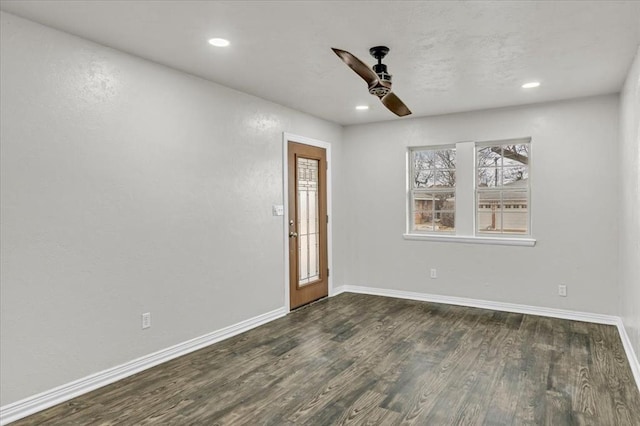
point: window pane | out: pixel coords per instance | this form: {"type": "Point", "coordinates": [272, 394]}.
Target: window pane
{"type": "Point", "coordinates": [489, 212]}
{"type": "Point", "coordinates": [515, 155]}
{"type": "Point", "coordinates": [502, 165]}
{"type": "Point", "coordinates": [445, 159]}
{"type": "Point", "coordinates": [445, 178]}
{"type": "Point", "coordinates": [490, 156]}
{"type": "Point", "coordinates": [445, 220]}
{"type": "Point", "coordinates": [516, 212]}
{"type": "Point", "coordinates": [489, 177]}
{"type": "Point", "coordinates": [502, 212]}
{"type": "Point", "coordinates": [423, 178]}
{"type": "Point", "coordinates": [515, 222]}
{"type": "Point", "coordinates": [433, 168]}
{"type": "Point", "coordinates": [423, 212]}
{"type": "Point", "coordinates": [434, 211]}
{"type": "Point", "coordinates": [511, 199]}
{"type": "Point", "coordinates": [515, 176]}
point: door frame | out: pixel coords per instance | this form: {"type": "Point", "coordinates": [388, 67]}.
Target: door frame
{"type": "Point", "coordinates": [286, 138]}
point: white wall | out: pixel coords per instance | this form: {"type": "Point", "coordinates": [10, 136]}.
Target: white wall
{"type": "Point", "coordinates": [129, 187]}
{"type": "Point", "coordinates": [630, 204]}
{"type": "Point", "coordinates": [574, 208]}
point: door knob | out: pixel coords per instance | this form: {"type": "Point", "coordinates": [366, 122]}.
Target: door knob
{"type": "Point", "coordinates": [293, 234]}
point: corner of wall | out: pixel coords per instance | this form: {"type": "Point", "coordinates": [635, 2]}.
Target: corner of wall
{"type": "Point", "coordinates": [629, 208]}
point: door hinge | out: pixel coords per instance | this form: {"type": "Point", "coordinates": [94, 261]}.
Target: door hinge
{"type": "Point", "coordinates": [327, 218]}
{"type": "Point", "coordinates": [328, 272]}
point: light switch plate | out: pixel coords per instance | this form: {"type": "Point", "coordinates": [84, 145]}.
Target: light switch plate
{"type": "Point", "coordinates": [278, 210]}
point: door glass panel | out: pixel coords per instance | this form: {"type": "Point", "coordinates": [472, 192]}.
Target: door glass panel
{"type": "Point", "coordinates": [308, 226]}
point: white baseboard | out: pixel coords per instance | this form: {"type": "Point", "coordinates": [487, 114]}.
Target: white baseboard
{"type": "Point", "coordinates": [487, 304]}
{"type": "Point", "coordinates": [510, 307]}
{"type": "Point", "coordinates": [337, 290]}
{"type": "Point", "coordinates": [49, 398]}
{"type": "Point", "coordinates": [631, 355]}
{"type": "Point", "coordinates": [44, 400]}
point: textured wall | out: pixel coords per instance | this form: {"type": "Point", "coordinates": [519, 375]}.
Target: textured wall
{"type": "Point", "coordinates": [630, 204]}
{"type": "Point", "coordinates": [129, 187]}
{"type": "Point", "coordinates": [574, 208]}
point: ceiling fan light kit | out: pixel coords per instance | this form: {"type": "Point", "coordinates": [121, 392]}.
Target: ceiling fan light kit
{"type": "Point", "coordinates": [377, 78]}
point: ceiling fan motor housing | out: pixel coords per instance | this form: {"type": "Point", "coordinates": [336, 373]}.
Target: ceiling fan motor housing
{"type": "Point", "coordinates": [383, 87]}
{"type": "Point", "coordinates": [381, 70]}
{"type": "Point", "coordinates": [380, 90]}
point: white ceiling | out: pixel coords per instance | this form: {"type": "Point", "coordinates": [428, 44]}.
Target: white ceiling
{"type": "Point", "coordinates": [445, 56]}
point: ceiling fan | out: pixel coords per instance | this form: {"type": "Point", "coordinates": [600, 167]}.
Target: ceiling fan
{"type": "Point", "coordinates": [377, 78]}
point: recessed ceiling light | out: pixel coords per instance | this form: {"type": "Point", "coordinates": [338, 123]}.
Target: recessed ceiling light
{"type": "Point", "coordinates": [531, 85]}
{"type": "Point", "coordinates": [362, 107]}
{"type": "Point", "coordinates": [219, 42]}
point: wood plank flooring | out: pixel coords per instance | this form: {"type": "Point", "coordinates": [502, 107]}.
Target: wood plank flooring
{"type": "Point", "coordinates": [367, 360]}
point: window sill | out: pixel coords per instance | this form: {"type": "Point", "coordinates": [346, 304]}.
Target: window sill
{"type": "Point", "coordinates": [504, 241]}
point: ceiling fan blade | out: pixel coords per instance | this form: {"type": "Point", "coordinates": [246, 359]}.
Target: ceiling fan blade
{"type": "Point", "coordinates": [395, 105]}
{"type": "Point", "coordinates": [358, 66]}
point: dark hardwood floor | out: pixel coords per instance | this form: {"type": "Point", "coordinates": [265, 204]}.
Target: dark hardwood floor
{"type": "Point", "coordinates": [358, 359]}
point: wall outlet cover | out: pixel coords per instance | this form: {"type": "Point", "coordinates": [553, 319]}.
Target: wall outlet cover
{"type": "Point", "coordinates": [146, 320]}
{"type": "Point", "coordinates": [562, 290]}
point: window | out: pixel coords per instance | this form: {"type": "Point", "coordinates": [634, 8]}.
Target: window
{"type": "Point", "coordinates": [432, 189]}
{"type": "Point", "coordinates": [470, 192]}
{"type": "Point", "coordinates": [502, 185]}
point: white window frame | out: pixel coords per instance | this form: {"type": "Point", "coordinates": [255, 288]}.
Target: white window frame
{"type": "Point", "coordinates": [413, 191]}
{"type": "Point", "coordinates": [501, 189]}
{"type": "Point", "coordinates": [465, 195]}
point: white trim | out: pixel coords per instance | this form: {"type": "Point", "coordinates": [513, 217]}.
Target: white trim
{"type": "Point", "coordinates": [33, 404]}
{"type": "Point", "coordinates": [30, 405]}
{"type": "Point", "coordinates": [513, 307]}
{"type": "Point", "coordinates": [338, 290]}
{"type": "Point", "coordinates": [501, 143]}
{"type": "Point", "coordinates": [634, 362]}
{"type": "Point", "coordinates": [510, 141]}
{"type": "Point", "coordinates": [526, 242]}
{"type": "Point", "coordinates": [286, 137]}
{"type": "Point", "coordinates": [487, 304]}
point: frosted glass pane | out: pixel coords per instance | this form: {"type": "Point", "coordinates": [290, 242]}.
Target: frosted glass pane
{"type": "Point", "coordinates": [313, 214]}
{"type": "Point", "coordinates": [302, 216]}
{"type": "Point", "coordinates": [308, 226]}
{"type": "Point", "coordinates": [313, 250]}
{"type": "Point", "coordinates": [304, 257]}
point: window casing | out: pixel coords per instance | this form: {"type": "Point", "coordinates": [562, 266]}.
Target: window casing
{"type": "Point", "coordinates": [470, 192]}
{"type": "Point", "coordinates": [432, 189]}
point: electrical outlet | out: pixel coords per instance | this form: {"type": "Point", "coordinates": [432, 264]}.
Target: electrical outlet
{"type": "Point", "coordinates": [562, 290]}
{"type": "Point", "coordinates": [434, 273]}
{"type": "Point", "coordinates": [146, 320]}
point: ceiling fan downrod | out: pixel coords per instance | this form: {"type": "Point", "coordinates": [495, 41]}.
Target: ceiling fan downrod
{"type": "Point", "coordinates": [380, 52]}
